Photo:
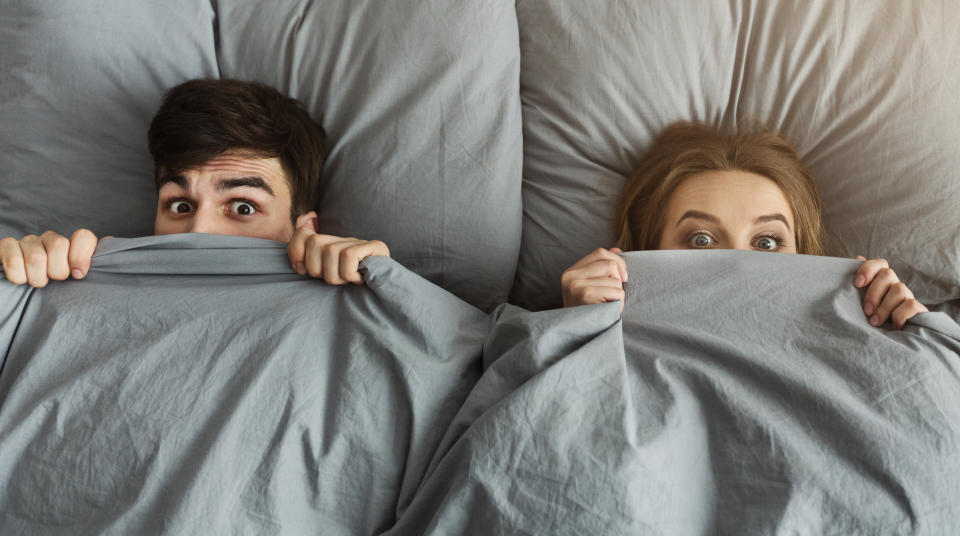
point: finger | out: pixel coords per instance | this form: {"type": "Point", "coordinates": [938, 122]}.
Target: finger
{"type": "Point", "coordinates": [896, 294]}
{"type": "Point", "coordinates": [583, 291]}
{"type": "Point", "coordinates": [331, 262]}
{"type": "Point", "coordinates": [297, 249]}
{"type": "Point", "coordinates": [600, 268]}
{"type": "Point", "coordinates": [351, 256]}
{"type": "Point", "coordinates": [602, 295]}
{"type": "Point", "coordinates": [867, 271]}
{"type": "Point", "coordinates": [34, 260]}
{"type": "Point", "coordinates": [600, 254]}
{"type": "Point", "coordinates": [861, 258]}
{"type": "Point", "coordinates": [313, 259]}
{"type": "Point", "coordinates": [878, 288]}
{"type": "Point", "coordinates": [57, 248]}
{"type": "Point", "coordinates": [905, 311]}
{"type": "Point", "coordinates": [11, 257]}
{"type": "Point", "coordinates": [82, 245]}
{"type": "Point", "coordinates": [580, 284]}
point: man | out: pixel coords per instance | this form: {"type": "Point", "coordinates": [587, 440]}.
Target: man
{"type": "Point", "coordinates": [230, 157]}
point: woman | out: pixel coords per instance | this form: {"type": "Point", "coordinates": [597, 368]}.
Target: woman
{"type": "Point", "coordinates": [700, 189]}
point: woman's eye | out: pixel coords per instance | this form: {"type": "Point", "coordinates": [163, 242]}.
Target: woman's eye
{"type": "Point", "coordinates": [243, 208]}
{"type": "Point", "coordinates": [180, 207]}
{"type": "Point", "coordinates": [701, 241]}
{"type": "Point", "coordinates": [767, 243]}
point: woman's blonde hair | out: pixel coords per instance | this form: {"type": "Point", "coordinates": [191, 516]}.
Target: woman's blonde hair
{"type": "Point", "coordinates": [684, 149]}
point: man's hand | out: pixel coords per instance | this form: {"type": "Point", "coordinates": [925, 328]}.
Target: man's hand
{"type": "Point", "coordinates": [596, 278]}
{"type": "Point", "coordinates": [887, 297]}
{"type": "Point", "coordinates": [38, 259]}
{"type": "Point", "coordinates": [333, 258]}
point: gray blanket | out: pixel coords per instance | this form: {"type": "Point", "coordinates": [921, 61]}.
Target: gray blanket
{"type": "Point", "coordinates": [742, 393]}
{"type": "Point", "coordinates": [194, 384]}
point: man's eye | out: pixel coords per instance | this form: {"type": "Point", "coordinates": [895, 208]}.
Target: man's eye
{"type": "Point", "coordinates": [768, 243]}
{"type": "Point", "coordinates": [701, 240]}
{"type": "Point", "coordinates": [243, 208]}
{"type": "Point", "coordinates": [180, 207]}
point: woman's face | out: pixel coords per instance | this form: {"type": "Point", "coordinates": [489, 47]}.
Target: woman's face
{"type": "Point", "coordinates": [728, 210]}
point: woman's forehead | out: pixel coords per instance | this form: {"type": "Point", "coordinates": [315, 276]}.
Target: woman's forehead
{"type": "Point", "coordinates": [729, 194]}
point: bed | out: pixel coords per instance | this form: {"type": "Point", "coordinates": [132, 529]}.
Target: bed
{"type": "Point", "coordinates": [196, 384]}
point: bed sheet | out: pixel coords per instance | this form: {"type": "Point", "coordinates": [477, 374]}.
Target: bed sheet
{"type": "Point", "coordinates": [740, 393]}
{"type": "Point", "coordinates": [194, 383]}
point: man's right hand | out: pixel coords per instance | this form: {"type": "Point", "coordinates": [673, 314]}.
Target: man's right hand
{"type": "Point", "coordinates": [38, 259]}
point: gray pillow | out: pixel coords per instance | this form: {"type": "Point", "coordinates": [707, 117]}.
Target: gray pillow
{"type": "Point", "coordinates": [419, 100]}
{"type": "Point", "coordinates": [867, 90]}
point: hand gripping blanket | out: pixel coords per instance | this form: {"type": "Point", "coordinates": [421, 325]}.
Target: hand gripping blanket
{"type": "Point", "coordinates": [195, 384]}
{"type": "Point", "coordinates": [741, 393]}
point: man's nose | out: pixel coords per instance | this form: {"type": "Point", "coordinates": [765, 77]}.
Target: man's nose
{"type": "Point", "coordinates": [204, 221]}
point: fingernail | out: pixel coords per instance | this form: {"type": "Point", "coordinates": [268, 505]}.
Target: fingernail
{"type": "Point", "coordinates": [76, 273]}
{"type": "Point", "coordinates": [868, 308]}
{"type": "Point", "coordinates": [860, 281]}
{"type": "Point", "coordinates": [300, 268]}
{"type": "Point", "coordinates": [875, 320]}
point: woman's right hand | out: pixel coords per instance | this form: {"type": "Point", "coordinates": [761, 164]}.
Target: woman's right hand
{"type": "Point", "coordinates": [596, 278]}
{"type": "Point", "coordinates": [38, 259]}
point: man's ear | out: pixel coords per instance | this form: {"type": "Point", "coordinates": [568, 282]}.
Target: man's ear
{"type": "Point", "coordinates": [308, 219]}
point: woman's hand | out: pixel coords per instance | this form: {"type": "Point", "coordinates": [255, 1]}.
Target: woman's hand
{"type": "Point", "coordinates": [596, 278]}
{"type": "Point", "coordinates": [38, 259]}
{"type": "Point", "coordinates": [887, 297]}
{"type": "Point", "coordinates": [333, 258]}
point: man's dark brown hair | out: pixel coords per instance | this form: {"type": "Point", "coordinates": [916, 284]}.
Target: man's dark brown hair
{"type": "Point", "coordinates": [201, 119]}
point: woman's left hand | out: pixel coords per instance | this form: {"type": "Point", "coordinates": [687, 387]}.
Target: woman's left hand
{"type": "Point", "coordinates": [887, 297]}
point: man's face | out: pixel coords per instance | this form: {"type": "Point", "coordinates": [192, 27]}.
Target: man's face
{"type": "Point", "coordinates": [230, 194]}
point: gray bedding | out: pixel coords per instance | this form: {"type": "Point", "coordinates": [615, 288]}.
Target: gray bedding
{"type": "Point", "coordinates": [194, 384]}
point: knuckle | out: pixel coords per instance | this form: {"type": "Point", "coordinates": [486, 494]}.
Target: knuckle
{"type": "Point", "coordinates": [59, 242]}
{"type": "Point", "coordinates": [34, 258]}
{"type": "Point", "coordinates": [82, 234]}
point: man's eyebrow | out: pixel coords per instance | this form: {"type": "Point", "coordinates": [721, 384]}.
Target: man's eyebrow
{"type": "Point", "coordinates": [238, 182]}
{"type": "Point", "coordinates": [700, 216]}
{"type": "Point", "coordinates": [179, 180]}
{"type": "Point", "coordinates": [772, 217]}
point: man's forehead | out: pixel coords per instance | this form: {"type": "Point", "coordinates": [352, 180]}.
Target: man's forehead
{"type": "Point", "coordinates": [230, 163]}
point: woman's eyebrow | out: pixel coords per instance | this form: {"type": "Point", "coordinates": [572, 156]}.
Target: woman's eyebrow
{"type": "Point", "coordinates": [772, 217]}
{"type": "Point", "coordinates": [239, 182]}
{"type": "Point", "coordinates": [700, 216]}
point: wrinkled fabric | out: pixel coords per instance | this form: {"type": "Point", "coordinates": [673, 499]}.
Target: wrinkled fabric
{"type": "Point", "coordinates": [740, 393]}
{"type": "Point", "coordinates": [195, 384]}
